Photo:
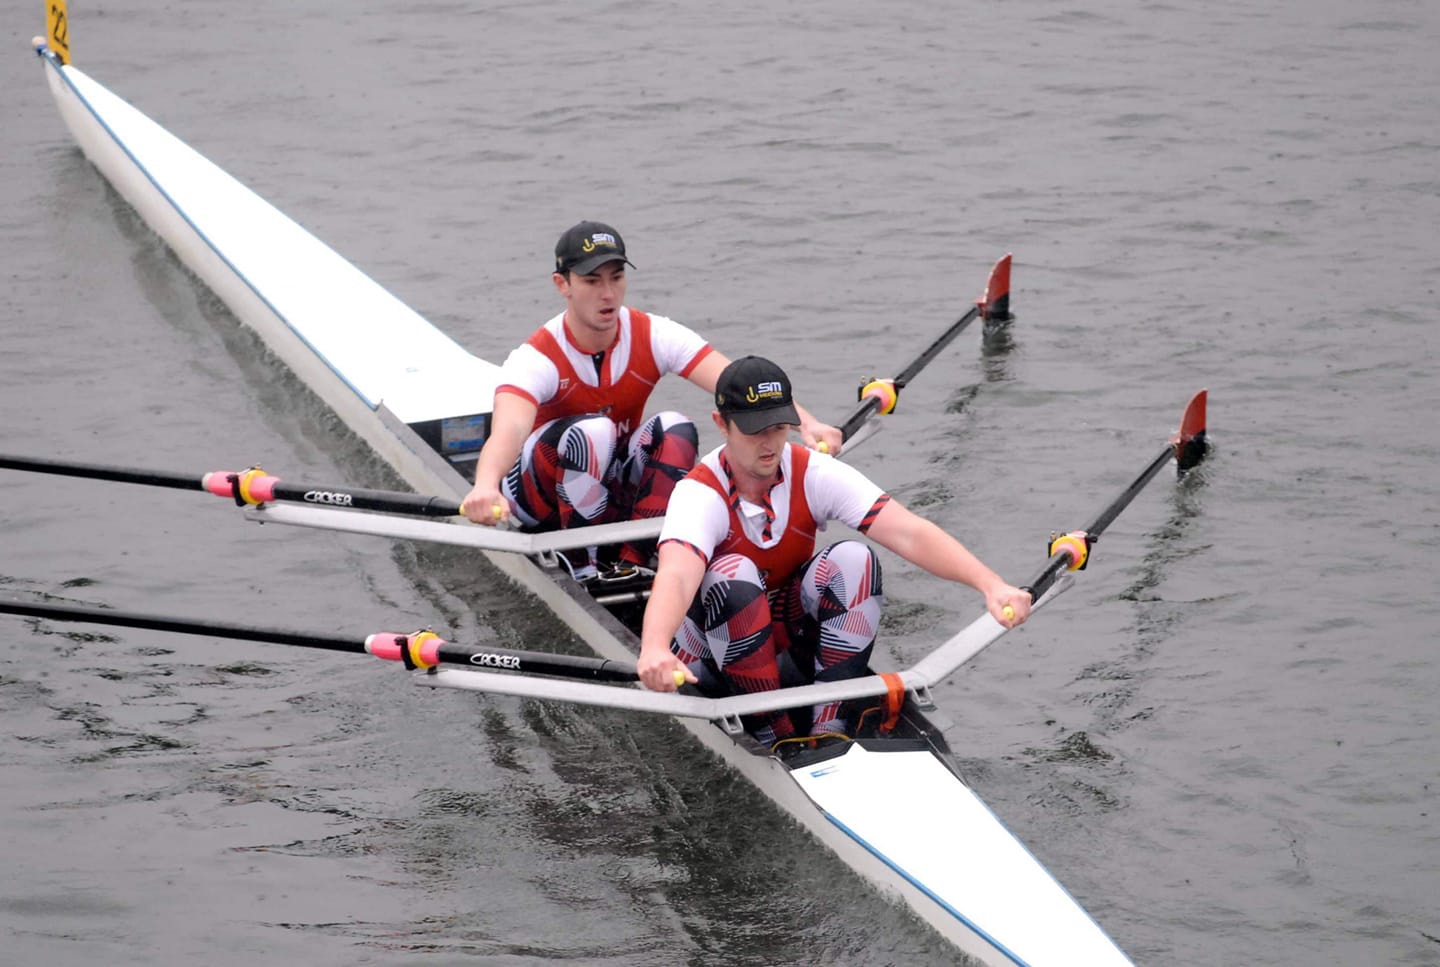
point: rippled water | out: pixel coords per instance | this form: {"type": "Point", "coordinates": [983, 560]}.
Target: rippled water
{"type": "Point", "coordinates": [1223, 741]}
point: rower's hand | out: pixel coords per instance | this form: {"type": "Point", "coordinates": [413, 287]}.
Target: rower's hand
{"type": "Point", "coordinates": [661, 671]}
{"type": "Point", "coordinates": [822, 437]}
{"type": "Point", "coordinates": [485, 505]}
{"type": "Point", "coordinates": [1008, 605]}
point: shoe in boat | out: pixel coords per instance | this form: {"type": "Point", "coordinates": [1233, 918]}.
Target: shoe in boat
{"type": "Point", "coordinates": [623, 572]}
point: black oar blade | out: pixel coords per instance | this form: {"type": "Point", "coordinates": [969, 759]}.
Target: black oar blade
{"type": "Point", "coordinates": [1190, 445]}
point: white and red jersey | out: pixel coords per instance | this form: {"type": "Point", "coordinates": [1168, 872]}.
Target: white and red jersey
{"type": "Point", "coordinates": [562, 380]}
{"type": "Point", "coordinates": [708, 516]}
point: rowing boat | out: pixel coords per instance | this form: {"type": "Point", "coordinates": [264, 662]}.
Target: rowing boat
{"type": "Point", "coordinates": [892, 804]}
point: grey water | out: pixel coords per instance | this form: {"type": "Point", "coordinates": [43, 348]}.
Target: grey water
{"type": "Point", "coordinates": [1223, 741]}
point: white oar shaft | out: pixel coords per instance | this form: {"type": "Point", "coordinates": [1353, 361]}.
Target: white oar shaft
{"type": "Point", "coordinates": [934, 668]}
{"type": "Point", "coordinates": [462, 534]}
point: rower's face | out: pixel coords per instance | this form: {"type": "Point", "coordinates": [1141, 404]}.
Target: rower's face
{"type": "Point", "coordinates": [593, 301]}
{"type": "Point", "coordinates": [756, 455]}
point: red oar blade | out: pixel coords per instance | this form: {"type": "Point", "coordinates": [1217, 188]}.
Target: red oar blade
{"type": "Point", "coordinates": [1190, 445]}
{"type": "Point", "coordinates": [995, 303]}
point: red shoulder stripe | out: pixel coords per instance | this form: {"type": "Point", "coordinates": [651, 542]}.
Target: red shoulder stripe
{"type": "Point", "coordinates": [700, 356]}
{"type": "Point", "coordinates": [873, 512]}
{"type": "Point", "coordinates": [686, 544]}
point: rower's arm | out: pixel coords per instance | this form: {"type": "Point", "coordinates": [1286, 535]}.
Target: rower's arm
{"type": "Point", "coordinates": [923, 543]}
{"type": "Point", "coordinates": [677, 579]}
{"type": "Point", "coordinates": [510, 425]}
{"type": "Point", "coordinates": [707, 372]}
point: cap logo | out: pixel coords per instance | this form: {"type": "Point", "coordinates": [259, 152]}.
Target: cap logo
{"type": "Point", "coordinates": [596, 240]}
{"type": "Point", "coordinates": [760, 391]}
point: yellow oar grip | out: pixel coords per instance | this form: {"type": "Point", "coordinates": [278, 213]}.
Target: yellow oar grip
{"type": "Point", "coordinates": [679, 678]}
{"type": "Point", "coordinates": [1008, 612]}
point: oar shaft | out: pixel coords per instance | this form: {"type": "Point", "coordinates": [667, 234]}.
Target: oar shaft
{"type": "Point", "coordinates": [98, 471]}
{"type": "Point", "coordinates": [1108, 515]}
{"type": "Point", "coordinates": [393, 502]}
{"type": "Point", "coordinates": [1186, 448]}
{"type": "Point", "coordinates": [426, 650]}
{"type": "Point", "coordinates": [935, 348]}
{"type": "Point", "coordinates": [871, 404]}
{"type": "Point", "coordinates": [423, 649]}
{"type": "Point", "coordinates": [878, 396]}
{"type": "Point", "coordinates": [253, 486]}
{"type": "Point", "coordinates": [184, 626]}
{"type": "Point", "coordinates": [857, 418]}
{"type": "Point", "coordinates": [1064, 558]}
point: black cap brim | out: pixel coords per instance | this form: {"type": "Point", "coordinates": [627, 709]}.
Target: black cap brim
{"type": "Point", "coordinates": [586, 266]}
{"type": "Point", "coordinates": [753, 421]}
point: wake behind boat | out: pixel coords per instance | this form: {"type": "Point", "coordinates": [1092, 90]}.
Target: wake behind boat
{"type": "Point", "coordinates": [891, 804]}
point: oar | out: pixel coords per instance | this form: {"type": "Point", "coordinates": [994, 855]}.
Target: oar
{"type": "Point", "coordinates": [421, 650]}
{"type": "Point", "coordinates": [254, 486]}
{"type": "Point", "coordinates": [1070, 552]}
{"type": "Point", "coordinates": [881, 395]}
{"type": "Point", "coordinates": [247, 487]}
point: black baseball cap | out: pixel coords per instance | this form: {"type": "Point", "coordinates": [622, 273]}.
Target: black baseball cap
{"type": "Point", "coordinates": [754, 394]}
{"type": "Point", "coordinates": [587, 246]}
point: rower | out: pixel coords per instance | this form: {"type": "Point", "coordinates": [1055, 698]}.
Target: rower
{"type": "Point", "coordinates": [740, 588]}
{"type": "Point", "coordinates": [569, 444]}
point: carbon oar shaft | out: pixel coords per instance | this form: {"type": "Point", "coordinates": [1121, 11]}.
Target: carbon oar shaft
{"type": "Point", "coordinates": [419, 650]}
{"type": "Point", "coordinates": [183, 626]}
{"type": "Point", "coordinates": [97, 471]}
{"type": "Point", "coordinates": [426, 650]}
{"type": "Point", "coordinates": [1070, 551]}
{"type": "Point", "coordinates": [873, 402]}
{"type": "Point", "coordinates": [878, 396]}
{"type": "Point", "coordinates": [251, 486]}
